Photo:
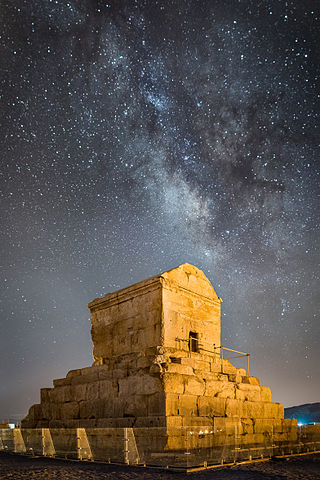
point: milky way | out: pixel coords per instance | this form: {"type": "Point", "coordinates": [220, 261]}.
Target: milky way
{"type": "Point", "coordinates": [140, 135]}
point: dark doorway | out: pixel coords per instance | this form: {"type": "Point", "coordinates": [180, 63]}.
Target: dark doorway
{"type": "Point", "coordinates": [193, 342]}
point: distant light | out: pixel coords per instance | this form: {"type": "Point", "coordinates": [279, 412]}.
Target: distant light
{"type": "Point", "coordinates": [300, 424]}
{"type": "Point", "coordinates": [11, 425]}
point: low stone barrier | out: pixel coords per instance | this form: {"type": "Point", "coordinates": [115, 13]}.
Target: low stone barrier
{"type": "Point", "coordinates": [181, 447]}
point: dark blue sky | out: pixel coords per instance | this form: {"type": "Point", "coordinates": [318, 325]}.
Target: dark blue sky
{"type": "Point", "coordinates": [139, 135]}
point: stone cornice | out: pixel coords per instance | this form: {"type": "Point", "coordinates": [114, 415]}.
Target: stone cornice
{"type": "Point", "coordinates": [125, 294]}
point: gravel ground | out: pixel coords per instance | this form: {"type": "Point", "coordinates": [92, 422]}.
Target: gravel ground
{"type": "Point", "coordinates": [15, 467]}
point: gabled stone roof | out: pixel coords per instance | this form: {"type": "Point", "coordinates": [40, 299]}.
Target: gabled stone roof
{"type": "Point", "coordinates": [186, 276]}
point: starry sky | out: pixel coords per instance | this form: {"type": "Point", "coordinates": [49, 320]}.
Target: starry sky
{"type": "Point", "coordinates": [139, 135]}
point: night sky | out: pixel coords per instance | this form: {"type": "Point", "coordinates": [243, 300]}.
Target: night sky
{"type": "Point", "coordinates": [139, 135]}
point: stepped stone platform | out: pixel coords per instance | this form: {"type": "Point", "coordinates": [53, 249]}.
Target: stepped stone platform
{"type": "Point", "coordinates": [156, 350]}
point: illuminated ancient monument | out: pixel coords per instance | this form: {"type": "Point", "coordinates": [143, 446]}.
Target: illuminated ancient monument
{"type": "Point", "coordinates": [156, 349]}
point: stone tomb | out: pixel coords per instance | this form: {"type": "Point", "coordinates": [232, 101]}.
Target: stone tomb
{"type": "Point", "coordinates": [157, 364]}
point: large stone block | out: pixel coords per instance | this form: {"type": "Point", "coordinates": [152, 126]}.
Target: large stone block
{"type": "Point", "coordinates": [250, 380]}
{"type": "Point", "coordinates": [143, 362]}
{"type": "Point", "coordinates": [235, 377]}
{"type": "Point", "coordinates": [54, 410]}
{"type": "Point", "coordinates": [201, 421]}
{"type": "Point", "coordinates": [273, 410]}
{"type": "Point", "coordinates": [215, 366]}
{"type": "Point", "coordinates": [213, 376]}
{"type": "Point", "coordinates": [60, 394]}
{"type": "Point", "coordinates": [93, 409]}
{"type": "Point", "coordinates": [139, 384]}
{"type": "Point", "coordinates": [258, 439]}
{"type": "Point", "coordinates": [89, 371]}
{"type": "Point", "coordinates": [180, 369]}
{"type": "Point", "coordinates": [119, 373]}
{"type": "Point", "coordinates": [248, 392]}
{"type": "Point", "coordinates": [44, 394]}
{"type": "Point", "coordinates": [74, 373]}
{"type": "Point", "coordinates": [188, 405]}
{"type": "Point", "coordinates": [291, 424]}
{"type": "Point", "coordinates": [136, 406]}
{"type": "Point", "coordinates": [45, 408]}
{"type": "Point", "coordinates": [280, 410]}
{"type": "Point", "coordinates": [78, 393]}
{"type": "Point", "coordinates": [127, 386]}
{"type": "Point", "coordinates": [89, 423]}
{"type": "Point", "coordinates": [35, 412]}
{"type": "Point", "coordinates": [70, 411]}
{"type": "Point", "coordinates": [114, 408]}
{"type": "Point", "coordinates": [177, 442]}
{"type": "Point", "coordinates": [172, 404]}
{"type": "Point", "coordinates": [219, 388]}
{"type": "Point", "coordinates": [262, 410]}
{"type": "Point", "coordinates": [59, 382]}
{"type": "Point", "coordinates": [85, 378]}
{"type": "Point", "coordinates": [228, 426]}
{"type": "Point", "coordinates": [222, 377]}
{"type": "Point", "coordinates": [172, 383]}
{"type": "Point", "coordinates": [93, 391]}
{"type": "Point", "coordinates": [201, 365]}
{"type": "Point", "coordinates": [106, 389]}
{"type": "Point", "coordinates": [213, 387]}
{"type": "Point", "coordinates": [228, 390]}
{"type": "Point", "coordinates": [154, 421]}
{"type": "Point", "coordinates": [104, 372]}
{"type": "Point", "coordinates": [234, 408]}
{"type": "Point", "coordinates": [265, 394]}
{"type": "Point", "coordinates": [253, 410]}
{"type": "Point", "coordinates": [227, 367]}
{"type": "Point", "coordinates": [63, 425]}
{"type": "Point", "coordinates": [193, 385]}
{"type": "Point", "coordinates": [212, 406]}
{"type": "Point", "coordinates": [263, 425]}
{"type": "Point", "coordinates": [51, 410]}
{"type": "Point", "coordinates": [149, 385]}
{"type": "Point", "coordinates": [117, 423]}
{"type": "Point", "coordinates": [310, 432]}
{"type": "Point", "coordinates": [276, 424]}
{"type": "Point", "coordinates": [174, 421]}
{"type": "Point", "coordinates": [156, 404]}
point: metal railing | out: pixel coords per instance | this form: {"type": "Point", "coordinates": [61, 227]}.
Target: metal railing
{"type": "Point", "coordinates": [241, 355]}
{"type": "Point", "coordinates": [215, 350]}
{"type": "Point", "coordinates": [183, 447]}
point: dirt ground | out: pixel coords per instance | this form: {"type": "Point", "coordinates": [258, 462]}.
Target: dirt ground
{"type": "Point", "coordinates": [15, 467]}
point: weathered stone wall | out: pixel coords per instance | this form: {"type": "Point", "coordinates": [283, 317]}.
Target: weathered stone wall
{"type": "Point", "coordinates": [160, 311]}
{"type": "Point", "coordinates": [224, 399]}
{"type": "Point", "coordinates": [99, 397]}
{"type": "Point", "coordinates": [126, 322]}
{"type": "Point", "coordinates": [190, 304]}
{"type": "Point", "coordinates": [212, 393]}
